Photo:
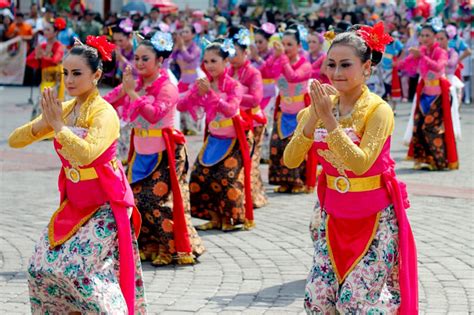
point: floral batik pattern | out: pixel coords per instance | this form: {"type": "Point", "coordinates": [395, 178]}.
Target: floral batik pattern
{"type": "Point", "coordinates": [154, 200]}
{"type": "Point", "coordinates": [428, 137]}
{"type": "Point", "coordinates": [219, 188]}
{"type": "Point", "coordinates": [82, 275]}
{"type": "Point", "coordinates": [259, 197]}
{"type": "Point", "coordinates": [372, 287]}
{"type": "Point", "coordinates": [278, 173]}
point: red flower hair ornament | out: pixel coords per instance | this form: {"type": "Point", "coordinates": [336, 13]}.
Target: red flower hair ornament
{"type": "Point", "coordinates": [375, 37]}
{"type": "Point", "coordinates": [59, 24]}
{"type": "Point", "coordinates": [103, 46]}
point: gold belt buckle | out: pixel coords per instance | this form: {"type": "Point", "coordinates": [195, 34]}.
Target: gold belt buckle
{"type": "Point", "coordinates": [343, 186]}
{"type": "Point", "coordinates": [74, 175]}
{"type": "Point", "coordinates": [287, 99]}
{"type": "Point", "coordinates": [214, 124]}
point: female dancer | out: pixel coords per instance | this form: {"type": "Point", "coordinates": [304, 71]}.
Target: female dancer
{"type": "Point", "coordinates": [317, 57]}
{"type": "Point", "coordinates": [122, 36]}
{"type": "Point", "coordinates": [251, 80]}
{"type": "Point", "coordinates": [456, 84]}
{"type": "Point", "coordinates": [293, 71]}
{"type": "Point", "coordinates": [158, 166]}
{"type": "Point", "coordinates": [221, 174]}
{"type": "Point", "coordinates": [48, 57]}
{"type": "Point", "coordinates": [75, 268]}
{"type": "Point", "coordinates": [365, 257]}
{"type": "Point", "coordinates": [187, 55]}
{"type": "Point", "coordinates": [124, 52]}
{"type": "Point", "coordinates": [433, 143]}
{"type": "Point", "coordinates": [259, 53]}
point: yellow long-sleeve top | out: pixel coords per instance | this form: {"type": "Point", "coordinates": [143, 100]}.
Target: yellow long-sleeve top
{"type": "Point", "coordinates": [372, 121]}
{"type": "Point", "coordinates": [96, 115]}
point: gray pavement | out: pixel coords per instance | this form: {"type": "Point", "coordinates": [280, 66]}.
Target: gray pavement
{"type": "Point", "coordinates": [262, 271]}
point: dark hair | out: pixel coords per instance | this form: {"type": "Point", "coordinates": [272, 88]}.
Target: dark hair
{"type": "Point", "coordinates": [19, 14]}
{"type": "Point", "coordinates": [158, 53]}
{"type": "Point", "coordinates": [191, 27]}
{"type": "Point", "coordinates": [117, 29]}
{"type": "Point", "coordinates": [351, 39]}
{"type": "Point", "coordinates": [443, 30]}
{"type": "Point", "coordinates": [263, 33]}
{"type": "Point", "coordinates": [234, 30]}
{"type": "Point", "coordinates": [92, 58]}
{"type": "Point", "coordinates": [216, 46]}
{"type": "Point", "coordinates": [293, 31]}
{"type": "Point", "coordinates": [429, 26]}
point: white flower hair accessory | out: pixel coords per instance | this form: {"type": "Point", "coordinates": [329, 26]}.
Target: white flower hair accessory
{"type": "Point", "coordinates": [162, 41]}
{"type": "Point", "coordinates": [228, 47]}
{"type": "Point", "coordinates": [303, 32]}
{"type": "Point", "coordinates": [243, 37]}
{"type": "Point", "coordinates": [436, 24]}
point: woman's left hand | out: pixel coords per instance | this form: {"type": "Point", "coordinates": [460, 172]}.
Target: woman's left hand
{"type": "Point", "coordinates": [52, 109]}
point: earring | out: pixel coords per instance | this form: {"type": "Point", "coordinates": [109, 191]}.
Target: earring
{"type": "Point", "coordinates": [366, 73]}
{"type": "Point", "coordinates": [94, 82]}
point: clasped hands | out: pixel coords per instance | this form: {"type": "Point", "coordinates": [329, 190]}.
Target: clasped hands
{"type": "Point", "coordinates": [52, 109]}
{"type": "Point", "coordinates": [322, 105]}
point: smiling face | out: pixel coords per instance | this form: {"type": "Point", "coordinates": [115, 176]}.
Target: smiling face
{"type": "Point", "coordinates": [146, 61]}
{"type": "Point", "coordinates": [240, 57]}
{"type": "Point", "coordinates": [291, 46]}
{"type": "Point", "coordinates": [313, 43]}
{"type": "Point", "coordinates": [345, 69]}
{"type": "Point", "coordinates": [442, 39]}
{"type": "Point", "coordinates": [214, 63]}
{"type": "Point", "coordinates": [78, 75]}
{"type": "Point", "coordinates": [427, 37]}
{"type": "Point", "coordinates": [261, 42]}
{"type": "Point", "coordinates": [186, 34]}
{"type": "Point", "coordinates": [121, 40]}
{"type": "Point", "coordinates": [48, 31]}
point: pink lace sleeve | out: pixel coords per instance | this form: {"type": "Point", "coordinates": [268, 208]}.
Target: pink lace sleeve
{"type": "Point", "coordinates": [301, 74]}
{"type": "Point", "coordinates": [229, 107]}
{"type": "Point", "coordinates": [254, 94]}
{"type": "Point", "coordinates": [439, 61]}
{"type": "Point", "coordinates": [155, 106]}
{"type": "Point", "coordinates": [453, 59]}
{"type": "Point", "coordinates": [115, 97]}
{"type": "Point", "coordinates": [189, 102]}
{"type": "Point", "coordinates": [272, 67]}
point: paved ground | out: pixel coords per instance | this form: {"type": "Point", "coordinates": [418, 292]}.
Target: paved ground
{"type": "Point", "coordinates": [256, 272]}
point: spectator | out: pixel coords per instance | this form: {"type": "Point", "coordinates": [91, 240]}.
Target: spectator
{"type": "Point", "coordinates": [153, 21]}
{"type": "Point", "coordinates": [20, 28]}
{"type": "Point", "coordinates": [7, 20]}
{"type": "Point", "coordinates": [88, 26]}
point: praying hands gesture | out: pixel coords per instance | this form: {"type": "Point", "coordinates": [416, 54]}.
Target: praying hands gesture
{"type": "Point", "coordinates": [52, 109]}
{"type": "Point", "coordinates": [203, 86]}
{"type": "Point", "coordinates": [128, 82]}
{"type": "Point", "coordinates": [321, 107]}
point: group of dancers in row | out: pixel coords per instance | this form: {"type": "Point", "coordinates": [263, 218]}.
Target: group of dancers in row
{"type": "Point", "coordinates": [89, 257]}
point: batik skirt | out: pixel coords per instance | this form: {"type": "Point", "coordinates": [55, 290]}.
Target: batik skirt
{"type": "Point", "coordinates": [372, 287]}
{"type": "Point", "coordinates": [154, 200]}
{"type": "Point", "coordinates": [278, 173]}
{"type": "Point", "coordinates": [82, 275]}
{"type": "Point", "coordinates": [428, 136]}
{"type": "Point", "coordinates": [259, 197]}
{"type": "Point", "coordinates": [219, 188]}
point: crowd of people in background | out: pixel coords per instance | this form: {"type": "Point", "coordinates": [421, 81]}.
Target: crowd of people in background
{"type": "Point", "coordinates": [401, 22]}
{"type": "Point", "coordinates": [313, 95]}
